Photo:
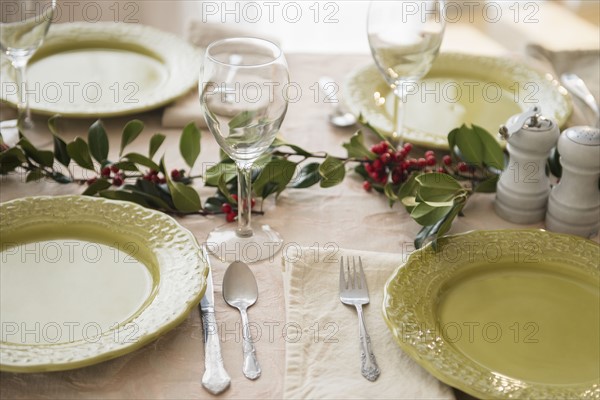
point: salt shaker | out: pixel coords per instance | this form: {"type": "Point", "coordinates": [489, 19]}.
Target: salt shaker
{"type": "Point", "coordinates": [523, 189]}
{"type": "Point", "coordinates": [574, 204]}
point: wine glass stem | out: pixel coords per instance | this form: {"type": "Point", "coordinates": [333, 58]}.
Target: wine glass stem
{"type": "Point", "coordinates": [400, 102]}
{"type": "Point", "coordinates": [244, 200]}
{"type": "Point", "coordinates": [24, 116]}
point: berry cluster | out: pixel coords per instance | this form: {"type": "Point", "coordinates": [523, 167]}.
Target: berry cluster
{"type": "Point", "coordinates": [110, 172]}
{"type": "Point", "coordinates": [231, 212]}
{"type": "Point", "coordinates": [396, 165]}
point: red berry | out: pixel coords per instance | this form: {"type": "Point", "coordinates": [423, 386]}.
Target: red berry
{"type": "Point", "coordinates": [441, 170]}
{"type": "Point", "coordinates": [462, 167]}
{"type": "Point", "coordinates": [384, 146]}
{"type": "Point", "coordinates": [431, 161]}
{"type": "Point", "coordinates": [376, 149]}
{"type": "Point", "coordinates": [396, 178]}
{"type": "Point", "coordinates": [405, 165]}
{"type": "Point", "coordinates": [155, 179]}
{"type": "Point", "coordinates": [252, 203]}
{"type": "Point", "coordinates": [162, 180]}
{"type": "Point", "coordinates": [369, 167]}
{"type": "Point", "coordinates": [153, 172]}
{"type": "Point", "coordinates": [408, 147]}
{"type": "Point", "coordinates": [175, 174]}
{"type": "Point", "coordinates": [117, 181]}
{"type": "Point", "coordinates": [114, 168]}
{"type": "Point", "coordinates": [403, 153]}
{"type": "Point", "coordinates": [447, 160]}
{"type": "Point", "coordinates": [429, 153]}
{"type": "Point", "coordinates": [421, 162]}
{"type": "Point", "coordinates": [377, 165]}
{"type": "Point", "coordinates": [92, 181]}
{"type": "Point", "coordinates": [230, 217]}
{"type": "Point", "coordinates": [385, 158]}
{"type": "Point", "coordinates": [367, 186]}
{"type": "Point", "coordinates": [226, 208]}
{"type": "Point", "coordinates": [105, 172]}
{"type": "Point", "coordinates": [234, 197]}
{"type": "Point", "coordinates": [412, 162]}
{"type": "Point", "coordinates": [374, 175]}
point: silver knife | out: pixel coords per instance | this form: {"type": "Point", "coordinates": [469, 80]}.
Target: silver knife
{"type": "Point", "coordinates": [215, 378]}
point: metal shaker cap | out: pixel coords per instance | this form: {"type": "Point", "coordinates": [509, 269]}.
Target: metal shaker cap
{"type": "Point", "coordinates": [584, 135]}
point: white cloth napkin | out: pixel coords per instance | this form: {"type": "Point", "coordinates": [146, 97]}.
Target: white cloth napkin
{"type": "Point", "coordinates": [322, 347]}
{"type": "Point", "coordinates": [187, 108]}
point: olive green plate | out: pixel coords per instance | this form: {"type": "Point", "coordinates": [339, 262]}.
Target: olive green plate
{"type": "Point", "coordinates": [460, 88]}
{"type": "Point", "coordinates": [105, 69]}
{"type": "Point", "coordinates": [502, 314]}
{"type": "Point", "coordinates": [84, 280]}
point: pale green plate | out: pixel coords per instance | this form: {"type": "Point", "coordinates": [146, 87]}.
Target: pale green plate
{"type": "Point", "coordinates": [84, 280]}
{"type": "Point", "coordinates": [105, 69]}
{"type": "Point", "coordinates": [460, 88]}
{"type": "Point", "coordinates": [502, 314]}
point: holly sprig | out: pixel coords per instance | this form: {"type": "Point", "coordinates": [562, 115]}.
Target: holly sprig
{"type": "Point", "coordinates": [433, 192]}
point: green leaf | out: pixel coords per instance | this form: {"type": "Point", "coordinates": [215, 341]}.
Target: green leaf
{"type": "Point", "coordinates": [98, 141]}
{"type": "Point", "coordinates": [213, 174]}
{"type": "Point", "coordinates": [493, 155]}
{"type": "Point", "coordinates": [554, 163]}
{"type": "Point", "coordinates": [34, 175]}
{"type": "Point", "coordinates": [437, 187]}
{"type": "Point", "coordinates": [141, 160]}
{"type": "Point", "coordinates": [98, 186]}
{"type": "Point", "coordinates": [52, 121]}
{"type": "Point", "coordinates": [155, 142]}
{"type": "Point", "coordinates": [389, 190]}
{"type": "Point", "coordinates": [426, 214]}
{"type": "Point", "coordinates": [225, 190]}
{"type": "Point", "coordinates": [42, 157]}
{"type": "Point", "coordinates": [470, 145]}
{"type": "Point", "coordinates": [357, 149]}
{"type": "Point", "coordinates": [130, 132]}
{"type": "Point", "coordinates": [332, 171]}
{"type": "Point", "coordinates": [452, 138]}
{"type": "Point", "coordinates": [425, 234]}
{"type": "Point", "coordinates": [410, 187]}
{"type": "Point", "coordinates": [242, 119]}
{"type": "Point", "coordinates": [189, 144]}
{"type": "Point", "coordinates": [153, 197]}
{"type": "Point", "coordinates": [278, 142]}
{"type": "Point", "coordinates": [11, 159]}
{"type": "Point", "coordinates": [487, 186]}
{"type": "Point", "coordinates": [278, 172]}
{"type": "Point", "coordinates": [213, 204]}
{"type": "Point", "coordinates": [127, 166]}
{"type": "Point", "coordinates": [60, 178]}
{"type": "Point", "coordinates": [309, 175]}
{"type": "Point", "coordinates": [125, 196]}
{"type": "Point", "coordinates": [60, 151]}
{"type": "Point", "coordinates": [185, 198]}
{"type": "Point", "coordinates": [79, 151]}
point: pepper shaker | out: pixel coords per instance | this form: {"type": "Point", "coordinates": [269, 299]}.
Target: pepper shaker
{"type": "Point", "coordinates": [523, 189]}
{"type": "Point", "coordinates": [574, 204]}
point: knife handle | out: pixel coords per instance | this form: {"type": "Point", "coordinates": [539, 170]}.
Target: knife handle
{"type": "Point", "coordinates": [215, 378]}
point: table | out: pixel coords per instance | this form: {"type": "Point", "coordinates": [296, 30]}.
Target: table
{"type": "Point", "coordinates": [344, 216]}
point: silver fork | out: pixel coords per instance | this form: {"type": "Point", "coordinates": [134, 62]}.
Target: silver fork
{"type": "Point", "coordinates": [354, 292]}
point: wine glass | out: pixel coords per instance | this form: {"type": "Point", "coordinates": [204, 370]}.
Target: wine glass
{"type": "Point", "coordinates": [23, 26]}
{"type": "Point", "coordinates": [405, 38]}
{"type": "Point", "coordinates": [242, 94]}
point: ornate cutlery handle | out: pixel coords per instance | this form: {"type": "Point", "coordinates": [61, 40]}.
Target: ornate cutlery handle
{"type": "Point", "coordinates": [215, 378]}
{"type": "Point", "coordinates": [251, 367]}
{"type": "Point", "coordinates": [369, 367]}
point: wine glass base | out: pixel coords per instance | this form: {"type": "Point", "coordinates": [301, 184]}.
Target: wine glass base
{"type": "Point", "coordinates": [225, 244]}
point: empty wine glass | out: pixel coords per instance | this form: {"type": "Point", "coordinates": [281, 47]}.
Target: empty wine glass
{"type": "Point", "coordinates": [242, 93]}
{"type": "Point", "coordinates": [23, 26]}
{"type": "Point", "coordinates": [405, 38]}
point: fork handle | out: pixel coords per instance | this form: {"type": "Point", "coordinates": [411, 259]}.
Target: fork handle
{"type": "Point", "coordinates": [369, 367]}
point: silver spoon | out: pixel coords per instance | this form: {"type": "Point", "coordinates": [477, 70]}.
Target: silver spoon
{"type": "Point", "coordinates": [577, 86]}
{"type": "Point", "coordinates": [338, 117]}
{"type": "Point", "coordinates": [240, 291]}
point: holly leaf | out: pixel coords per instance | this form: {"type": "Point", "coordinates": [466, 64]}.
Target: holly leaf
{"type": "Point", "coordinates": [242, 119]}
{"type": "Point", "coordinates": [492, 155]}
{"type": "Point", "coordinates": [79, 151]}
{"type": "Point", "coordinates": [42, 157]}
{"type": "Point", "coordinates": [554, 163]}
{"type": "Point", "coordinates": [189, 144]}
{"type": "Point", "coordinates": [155, 142]}
{"type": "Point", "coordinates": [470, 145]}
{"type": "Point", "coordinates": [357, 149]}
{"type": "Point", "coordinates": [185, 198]}
{"type": "Point", "coordinates": [98, 186]}
{"type": "Point", "coordinates": [60, 151]}
{"type": "Point", "coordinates": [34, 175]}
{"type": "Point", "coordinates": [130, 132]}
{"type": "Point", "coordinates": [309, 175]}
{"type": "Point", "coordinates": [427, 214]}
{"type": "Point", "coordinates": [487, 186]}
{"type": "Point", "coordinates": [299, 150]}
{"type": "Point", "coordinates": [11, 159]}
{"type": "Point", "coordinates": [98, 141]}
{"type": "Point", "coordinates": [213, 174]}
{"type": "Point", "coordinates": [332, 172]}
{"type": "Point", "coordinates": [274, 177]}
{"type": "Point", "coordinates": [437, 187]}
{"type": "Point", "coordinates": [142, 160]}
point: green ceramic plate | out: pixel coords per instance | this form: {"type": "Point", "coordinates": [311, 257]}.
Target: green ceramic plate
{"type": "Point", "coordinates": [502, 314]}
{"type": "Point", "coordinates": [460, 88]}
{"type": "Point", "coordinates": [105, 69]}
{"type": "Point", "coordinates": [84, 280]}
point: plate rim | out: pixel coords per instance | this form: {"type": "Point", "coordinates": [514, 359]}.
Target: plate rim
{"type": "Point", "coordinates": [138, 35]}
{"type": "Point", "coordinates": [142, 340]}
{"type": "Point", "coordinates": [453, 380]}
{"type": "Point", "coordinates": [355, 105]}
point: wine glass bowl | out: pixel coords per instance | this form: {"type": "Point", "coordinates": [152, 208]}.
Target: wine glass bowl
{"type": "Point", "coordinates": [405, 37]}
{"type": "Point", "coordinates": [243, 97]}
{"type": "Point", "coordinates": [23, 26]}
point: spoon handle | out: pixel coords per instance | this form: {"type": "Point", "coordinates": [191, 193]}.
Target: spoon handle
{"type": "Point", "coordinates": [251, 367]}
